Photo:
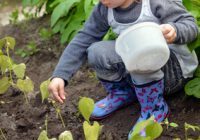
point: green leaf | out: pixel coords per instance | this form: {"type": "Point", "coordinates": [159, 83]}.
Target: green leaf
{"type": "Point", "coordinates": [173, 125]}
{"type": "Point", "coordinates": [4, 85]}
{"type": "Point", "coordinates": [141, 126]}
{"type": "Point", "coordinates": [61, 10]}
{"type": "Point", "coordinates": [35, 2]}
{"type": "Point", "coordinates": [26, 3]}
{"type": "Point", "coordinates": [74, 25]}
{"type": "Point", "coordinates": [187, 4]}
{"type": "Point", "coordinates": [86, 106]}
{"type": "Point", "coordinates": [66, 135]}
{"type": "Point", "coordinates": [95, 2]}
{"type": "Point", "coordinates": [1, 53]}
{"type": "Point", "coordinates": [5, 63]}
{"type": "Point", "coordinates": [91, 132]}
{"type": "Point", "coordinates": [193, 87]}
{"type": "Point", "coordinates": [197, 72]}
{"type": "Point", "coordinates": [154, 130]}
{"type": "Point", "coordinates": [88, 7]}
{"type": "Point", "coordinates": [10, 42]}
{"type": "Point", "coordinates": [195, 44]}
{"type": "Point", "coordinates": [25, 85]}
{"type": "Point", "coordinates": [2, 43]}
{"type": "Point", "coordinates": [138, 137]}
{"type": "Point", "coordinates": [44, 89]}
{"type": "Point", "coordinates": [55, 3]}
{"type": "Point", "coordinates": [45, 33]}
{"type": "Point", "coordinates": [19, 70]}
{"type": "Point", "coordinates": [43, 136]}
{"type": "Point", "coordinates": [193, 127]}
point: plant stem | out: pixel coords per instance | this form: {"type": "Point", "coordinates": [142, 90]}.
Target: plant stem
{"type": "Point", "coordinates": [58, 112]}
{"type": "Point", "coordinates": [61, 118]}
{"type": "Point", "coordinates": [10, 64]}
{"type": "Point", "coordinates": [26, 98]}
{"type": "Point", "coordinates": [3, 134]}
{"type": "Point", "coordinates": [46, 123]}
{"type": "Point", "coordinates": [186, 137]}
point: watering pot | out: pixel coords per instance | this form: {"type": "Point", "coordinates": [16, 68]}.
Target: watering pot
{"type": "Point", "coordinates": [143, 48]}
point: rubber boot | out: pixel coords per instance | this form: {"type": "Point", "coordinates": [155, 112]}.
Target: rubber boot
{"type": "Point", "coordinates": [120, 94]}
{"type": "Point", "coordinates": [150, 97]}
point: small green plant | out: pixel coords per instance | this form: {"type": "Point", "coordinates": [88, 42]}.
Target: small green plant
{"type": "Point", "coordinates": [14, 16]}
{"type": "Point", "coordinates": [66, 135]}
{"type": "Point", "coordinates": [45, 33]}
{"type": "Point", "coordinates": [186, 127]}
{"type": "Point", "coordinates": [86, 106]}
{"type": "Point", "coordinates": [169, 124]}
{"type": "Point", "coordinates": [45, 95]}
{"type": "Point", "coordinates": [189, 126]}
{"type": "Point", "coordinates": [9, 69]}
{"type": "Point", "coordinates": [192, 88]}
{"type": "Point", "coordinates": [2, 136]}
{"type": "Point", "coordinates": [150, 127]}
{"type": "Point", "coordinates": [30, 49]}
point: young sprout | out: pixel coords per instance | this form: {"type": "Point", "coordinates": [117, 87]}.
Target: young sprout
{"type": "Point", "coordinates": [45, 95]}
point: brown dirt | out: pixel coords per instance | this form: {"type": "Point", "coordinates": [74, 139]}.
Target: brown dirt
{"type": "Point", "coordinates": [21, 121]}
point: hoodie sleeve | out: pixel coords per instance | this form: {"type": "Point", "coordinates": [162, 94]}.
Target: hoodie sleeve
{"type": "Point", "coordinates": [173, 12]}
{"type": "Point", "coordinates": [75, 53]}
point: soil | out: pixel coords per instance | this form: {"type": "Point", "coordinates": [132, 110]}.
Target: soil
{"type": "Point", "coordinates": [22, 121]}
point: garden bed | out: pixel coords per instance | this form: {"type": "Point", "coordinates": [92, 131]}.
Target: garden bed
{"type": "Point", "coordinates": [21, 121]}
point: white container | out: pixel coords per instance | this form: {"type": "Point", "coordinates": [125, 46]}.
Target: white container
{"type": "Point", "coordinates": [143, 48]}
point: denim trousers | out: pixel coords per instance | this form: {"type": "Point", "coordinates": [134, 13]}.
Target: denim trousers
{"type": "Point", "coordinates": [109, 66]}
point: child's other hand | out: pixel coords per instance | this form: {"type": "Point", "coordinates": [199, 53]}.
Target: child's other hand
{"type": "Point", "coordinates": [169, 32]}
{"type": "Point", "coordinates": [56, 88]}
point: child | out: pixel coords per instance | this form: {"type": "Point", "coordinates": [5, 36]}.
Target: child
{"type": "Point", "coordinates": [123, 87]}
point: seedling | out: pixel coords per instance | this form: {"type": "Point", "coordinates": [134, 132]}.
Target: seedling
{"type": "Point", "coordinates": [30, 49]}
{"type": "Point", "coordinates": [189, 126]}
{"type": "Point", "coordinates": [9, 70]}
{"type": "Point", "coordinates": [2, 135]}
{"type": "Point", "coordinates": [150, 128]}
{"type": "Point", "coordinates": [45, 33]}
{"type": "Point", "coordinates": [14, 16]}
{"type": "Point", "coordinates": [168, 124]}
{"type": "Point", "coordinates": [86, 106]}
{"type": "Point", "coordinates": [66, 135]}
{"type": "Point", "coordinates": [45, 95]}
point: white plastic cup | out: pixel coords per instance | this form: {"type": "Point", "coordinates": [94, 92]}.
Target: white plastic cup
{"type": "Point", "coordinates": [143, 48]}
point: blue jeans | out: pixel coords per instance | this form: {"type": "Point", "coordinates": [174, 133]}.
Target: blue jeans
{"type": "Point", "coordinates": [109, 66]}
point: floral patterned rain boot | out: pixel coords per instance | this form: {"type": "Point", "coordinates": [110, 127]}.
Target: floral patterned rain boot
{"type": "Point", "coordinates": [150, 97]}
{"type": "Point", "coordinates": [120, 94]}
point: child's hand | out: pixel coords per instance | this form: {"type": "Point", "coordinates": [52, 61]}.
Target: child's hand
{"type": "Point", "coordinates": [56, 88]}
{"type": "Point", "coordinates": [169, 32]}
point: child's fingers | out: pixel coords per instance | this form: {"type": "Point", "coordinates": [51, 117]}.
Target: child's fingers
{"type": "Point", "coordinates": [57, 97]}
{"type": "Point", "coordinates": [168, 32]}
{"type": "Point", "coordinates": [165, 29]}
{"type": "Point", "coordinates": [170, 37]}
{"type": "Point", "coordinates": [62, 92]}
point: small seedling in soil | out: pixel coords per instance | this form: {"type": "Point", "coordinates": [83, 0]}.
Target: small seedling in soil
{"type": "Point", "coordinates": [86, 106]}
{"type": "Point", "coordinates": [66, 135]}
{"type": "Point", "coordinates": [2, 136]}
{"type": "Point", "coordinates": [150, 128]}
{"type": "Point", "coordinates": [168, 124]}
{"type": "Point", "coordinates": [12, 75]}
{"type": "Point", "coordinates": [30, 49]}
{"type": "Point", "coordinates": [45, 95]}
{"type": "Point", "coordinates": [189, 126]}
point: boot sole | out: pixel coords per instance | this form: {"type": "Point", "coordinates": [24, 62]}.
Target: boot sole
{"type": "Point", "coordinates": [93, 118]}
